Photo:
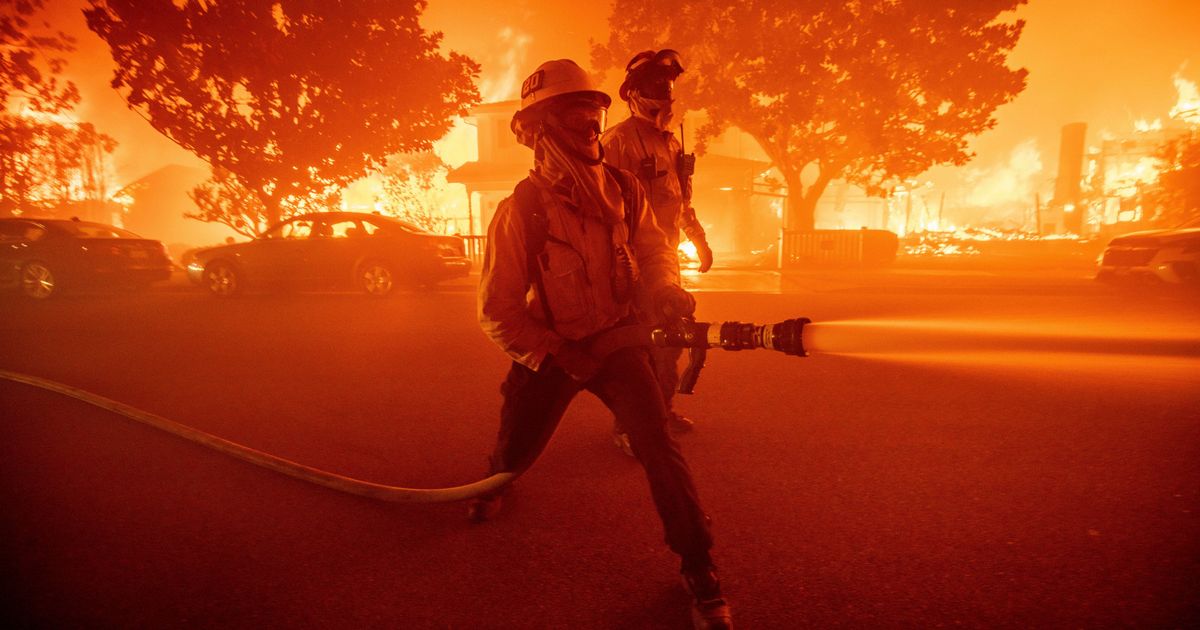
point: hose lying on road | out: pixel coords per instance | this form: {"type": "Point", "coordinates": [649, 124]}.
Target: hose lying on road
{"type": "Point", "coordinates": [786, 336]}
{"type": "Point", "coordinates": [271, 462]}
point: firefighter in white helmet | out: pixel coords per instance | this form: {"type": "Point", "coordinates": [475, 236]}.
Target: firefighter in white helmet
{"type": "Point", "coordinates": [645, 145]}
{"type": "Point", "coordinates": [567, 254]}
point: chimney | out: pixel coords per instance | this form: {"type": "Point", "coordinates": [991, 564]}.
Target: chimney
{"type": "Point", "coordinates": [1070, 174]}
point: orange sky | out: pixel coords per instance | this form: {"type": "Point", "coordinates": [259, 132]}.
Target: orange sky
{"type": "Point", "coordinates": [1104, 62]}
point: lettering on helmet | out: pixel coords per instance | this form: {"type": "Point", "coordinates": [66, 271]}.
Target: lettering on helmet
{"type": "Point", "coordinates": [532, 84]}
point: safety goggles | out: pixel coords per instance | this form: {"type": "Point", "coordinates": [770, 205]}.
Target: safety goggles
{"type": "Point", "coordinates": [667, 60]}
{"type": "Point", "coordinates": [654, 75]}
{"type": "Point", "coordinates": [581, 117]}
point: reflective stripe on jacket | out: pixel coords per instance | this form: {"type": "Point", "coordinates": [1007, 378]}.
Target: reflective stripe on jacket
{"type": "Point", "coordinates": [577, 274]}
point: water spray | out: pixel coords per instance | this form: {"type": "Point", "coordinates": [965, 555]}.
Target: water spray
{"type": "Point", "coordinates": [882, 339]}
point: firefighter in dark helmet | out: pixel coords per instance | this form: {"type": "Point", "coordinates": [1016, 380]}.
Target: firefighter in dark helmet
{"type": "Point", "coordinates": [645, 145]}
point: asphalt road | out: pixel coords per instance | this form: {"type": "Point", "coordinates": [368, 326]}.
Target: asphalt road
{"type": "Point", "coordinates": [1026, 484]}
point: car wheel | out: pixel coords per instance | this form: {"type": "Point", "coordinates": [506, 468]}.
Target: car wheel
{"type": "Point", "coordinates": [375, 278]}
{"type": "Point", "coordinates": [38, 281]}
{"type": "Point", "coordinates": [222, 280]}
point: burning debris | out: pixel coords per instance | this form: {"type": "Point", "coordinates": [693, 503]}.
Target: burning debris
{"type": "Point", "coordinates": [972, 241]}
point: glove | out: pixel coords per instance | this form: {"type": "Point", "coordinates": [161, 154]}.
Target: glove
{"type": "Point", "coordinates": [673, 302]}
{"type": "Point", "coordinates": [572, 358]}
{"type": "Point", "coordinates": [704, 252]}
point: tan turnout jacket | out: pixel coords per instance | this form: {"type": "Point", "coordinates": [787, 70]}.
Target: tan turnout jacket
{"type": "Point", "coordinates": [577, 274]}
{"type": "Point", "coordinates": [626, 145]}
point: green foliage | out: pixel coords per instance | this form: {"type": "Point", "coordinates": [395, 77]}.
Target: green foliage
{"type": "Point", "coordinates": [871, 91]}
{"type": "Point", "coordinates": [1177, 192]}
{"type": "Point", "coordinates": [291, 97]}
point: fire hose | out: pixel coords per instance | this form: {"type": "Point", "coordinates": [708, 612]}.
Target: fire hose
{"type": "Point", "coordinates": [786, 337]}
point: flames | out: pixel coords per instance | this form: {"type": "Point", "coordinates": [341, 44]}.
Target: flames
{"type": "Point", "coordinates": [500, 81]}
{"type": "Point", "coordinates": [502, 84]}
{"type": "Point", "coordinates": [1127, 166]}
{"type": "Point", "coordinates": [1145, 126]}
{"type": "Point", "coordinates": [1187, 107]}
{"type": "Point", "coordinates": [59, 179]}
{"type": "Point", "coordinates": [688, 253]}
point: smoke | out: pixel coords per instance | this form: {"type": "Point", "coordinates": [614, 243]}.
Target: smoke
{"type": "Point", "coordinates": [502, 84]}
{"type": "Point", "coordinates": [1003, 191]}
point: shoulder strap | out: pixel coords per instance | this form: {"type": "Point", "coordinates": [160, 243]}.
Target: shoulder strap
{"type": "Point", "coordinates": [537, 225]}
{"type": "Point", "coordinates": [537, 231]}
{"type": "Point", "coordinates": [628, 196]}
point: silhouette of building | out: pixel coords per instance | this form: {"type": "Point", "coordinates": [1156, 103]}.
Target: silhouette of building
{"type": "Point", "coordinates": [727, 191]}
{"type": "Point", "coordinates": [155, 204]}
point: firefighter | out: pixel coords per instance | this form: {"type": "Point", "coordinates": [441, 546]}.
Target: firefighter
{"type": "Point", "coordinates": [565, 256]}
{"type": "Point", "coordinates": [644, 145]}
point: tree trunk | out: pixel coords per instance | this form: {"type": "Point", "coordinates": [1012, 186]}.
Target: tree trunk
{"type": "Point", "coordinates": [271, 212]}
{"type": "Point", "coordinates": [802, 202]}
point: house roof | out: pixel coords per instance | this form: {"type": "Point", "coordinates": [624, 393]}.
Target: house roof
{"type": "Point", "coordinates": [506, 108]}
{"type": "Point", "coordinates": [489, 175]}
{"type": "Point", "coordinates": [171, 176]}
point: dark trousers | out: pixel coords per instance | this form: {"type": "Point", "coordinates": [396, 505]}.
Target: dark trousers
{"type": "Point", "coordinates": [534, 403]}
{"type": "Point", "coordinates": [666, 370]}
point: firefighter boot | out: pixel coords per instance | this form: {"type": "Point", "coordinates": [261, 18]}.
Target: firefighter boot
{"type": "Point", "coordinates": [680, 423]}
{"type": "Point", "coordinates": [710, 611]}
{"type": "Point", "coordinates": [484, 508]}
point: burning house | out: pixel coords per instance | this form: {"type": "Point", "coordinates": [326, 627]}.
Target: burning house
{"type": "Point", "coordinates": [1110, 182]}
{"type": "Point", "coordinates": [738, 209]}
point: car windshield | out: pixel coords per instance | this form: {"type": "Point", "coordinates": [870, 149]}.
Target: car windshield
{"type": "Point", "coordinates": [294, 229]}
{"type": "Point", "coordinates": [13, 231]}
{"type": "Point", "coordinates": [83, 229]}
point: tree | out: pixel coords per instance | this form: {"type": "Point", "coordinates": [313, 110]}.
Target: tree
{"type": "Point", "coordinates": [47, 163]}
{"type": "Point", "coordinates": [223, 199]}
{"type": "Point", "coordinates": [31, 91]}
{"type": "Point", "coordinates": [291, 97]}
{"type": "Point", "coordinates": [30, 70]}
{"type": "Point", "coordinates": [410, 182]}
{"type": "Point", "coordinates": [871, 91]}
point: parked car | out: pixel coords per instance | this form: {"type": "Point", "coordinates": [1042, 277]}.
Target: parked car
{"type": "Point", "coordinates": [41, 257]}
{"type": "Point", "coordinates": [367, 252]}
{"type": "Point", "coordinates": [1157, 256]}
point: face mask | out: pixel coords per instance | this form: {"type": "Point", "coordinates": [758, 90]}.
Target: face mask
{"type": "Point", "coordinates": [580, 125]}
{"type": "Point", "coordinates": [658, 111]}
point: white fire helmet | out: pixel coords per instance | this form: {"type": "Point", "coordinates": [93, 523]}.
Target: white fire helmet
{"type": "Point", "coordinates": [555, 78]}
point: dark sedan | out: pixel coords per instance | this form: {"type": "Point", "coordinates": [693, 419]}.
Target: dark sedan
{"type": "Point", "coordinates": [41, 257]}
{"type": "Point", "coordinates": [1165, 256]}
{"type": "Point", "coordinates": [332, 250]}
